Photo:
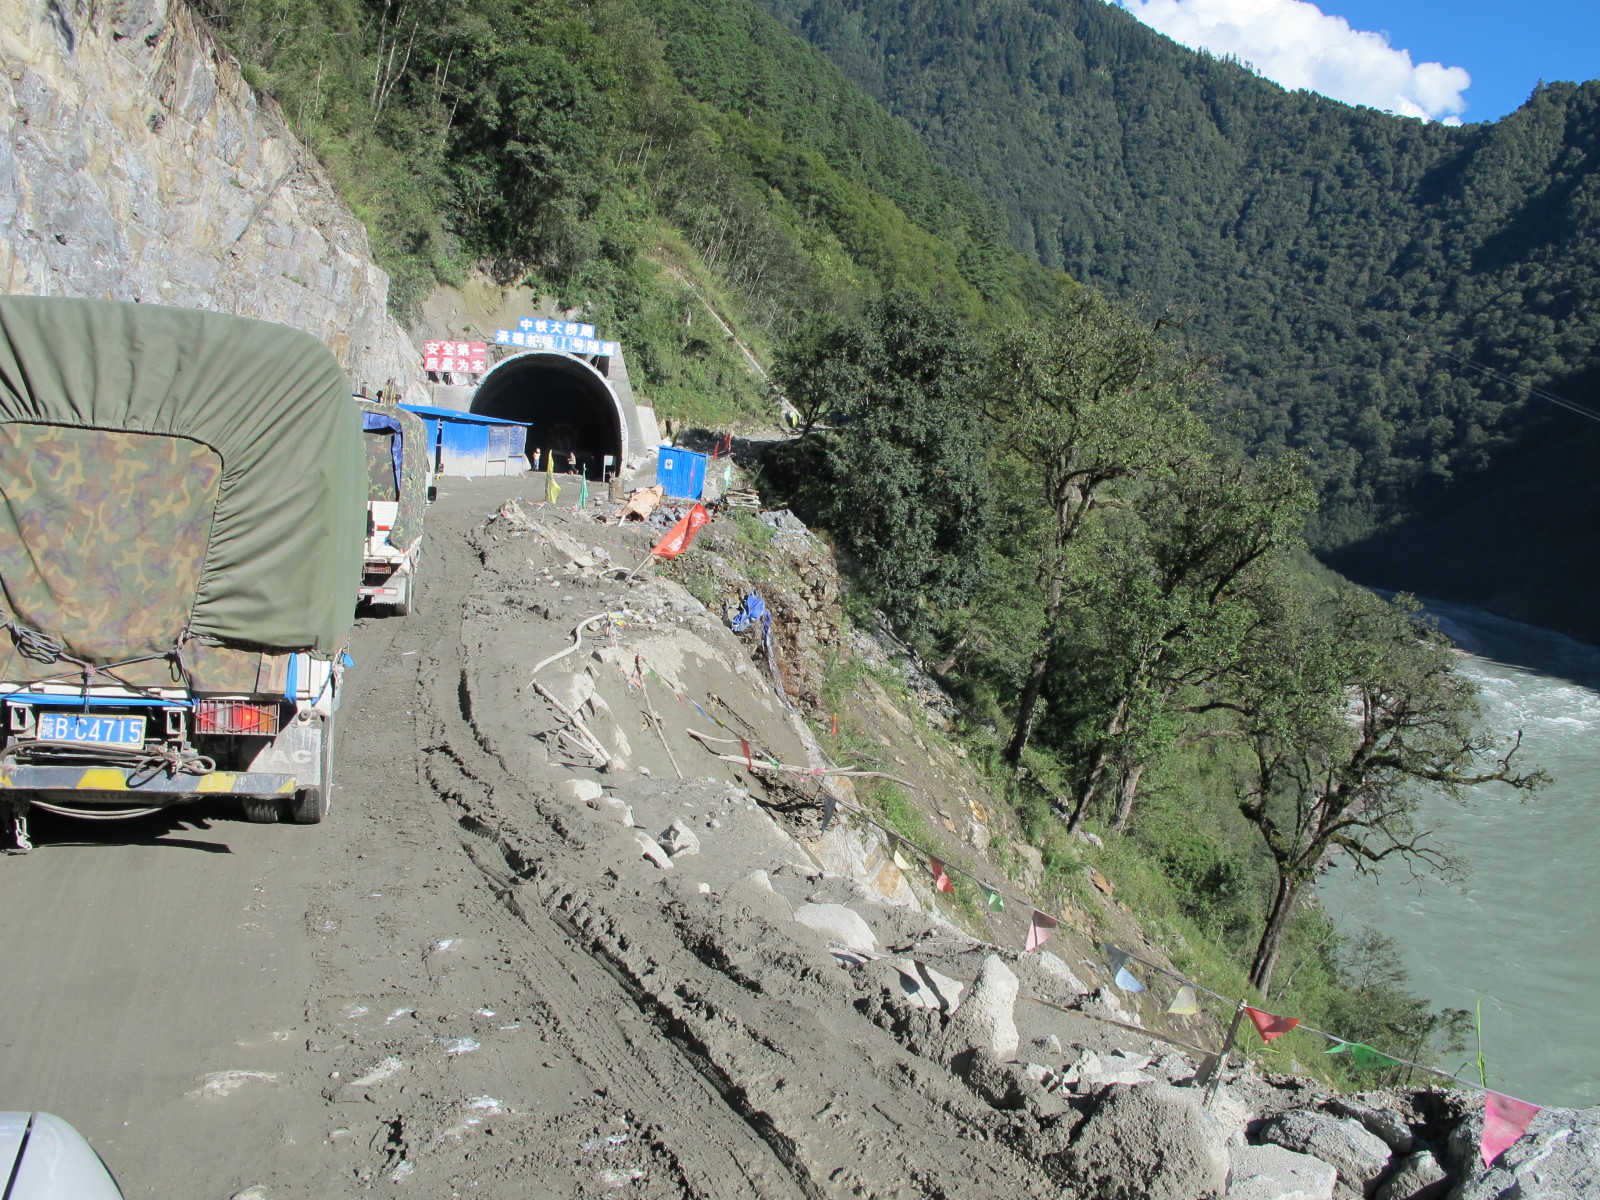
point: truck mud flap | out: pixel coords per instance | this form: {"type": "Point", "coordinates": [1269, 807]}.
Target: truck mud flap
{"type": "Point", "coordinates": [123, 779]}
{"type": "Point", "coordinates": [298, 748]}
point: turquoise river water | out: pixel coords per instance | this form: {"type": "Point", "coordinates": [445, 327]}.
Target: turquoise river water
{"type": "Point", "coordinates": [1523, 932]}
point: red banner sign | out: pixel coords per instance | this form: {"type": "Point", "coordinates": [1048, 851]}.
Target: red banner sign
{"type": "Point", "coordinates": [470, 357]}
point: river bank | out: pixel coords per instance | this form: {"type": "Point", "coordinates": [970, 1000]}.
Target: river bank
{"type": "Point", "coordinates": [1519, 932]}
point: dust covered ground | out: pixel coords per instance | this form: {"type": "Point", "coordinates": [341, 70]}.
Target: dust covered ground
{"type": "Point", "coordinates": [476, 979]}
{"type": "Point", "coordinates": [565, 935]}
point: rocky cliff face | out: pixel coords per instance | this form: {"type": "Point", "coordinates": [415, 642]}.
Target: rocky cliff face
{"type": "Point", "coordinates": [137, 164]}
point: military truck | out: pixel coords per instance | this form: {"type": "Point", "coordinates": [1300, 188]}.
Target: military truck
{"type": "Point", "coordinates": [182, 500]}
{"type": "Point", "coordinates": [399, 476]}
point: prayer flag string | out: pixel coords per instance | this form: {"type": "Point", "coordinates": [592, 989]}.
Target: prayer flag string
{"type": "Point", "coordinates": [1506, 1117]}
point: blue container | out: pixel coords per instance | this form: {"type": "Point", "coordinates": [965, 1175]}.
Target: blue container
{"type": "Point", "coordinates": [471, 444]}
{"type": "Point", "coordinates": [682, 473]}
{"type": "Point", "coordinates": [431, 424]}
{"type": "Point", "coordinates": [463, 449]}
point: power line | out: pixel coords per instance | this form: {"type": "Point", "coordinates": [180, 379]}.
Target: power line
{"type": "Point", "coordinates": [1393, 319]}
{"type": "Point", "coordinates": [1499, 377]}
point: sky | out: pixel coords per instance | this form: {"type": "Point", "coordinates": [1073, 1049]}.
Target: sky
{"type": "Point", "coordinates": [1444, 60]}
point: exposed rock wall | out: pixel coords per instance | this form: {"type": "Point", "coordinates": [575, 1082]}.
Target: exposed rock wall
{"type": "Point", "coordinates": [137, 164]}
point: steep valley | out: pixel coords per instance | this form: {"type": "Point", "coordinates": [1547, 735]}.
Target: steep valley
{"type": "Point", "coordinates": [615, 898]}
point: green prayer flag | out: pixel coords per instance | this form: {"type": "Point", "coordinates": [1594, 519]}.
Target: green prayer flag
{"type": "Point", "coordinates": [1365, 1056]}
{"type": "Point", "coordinates": [995, 901]}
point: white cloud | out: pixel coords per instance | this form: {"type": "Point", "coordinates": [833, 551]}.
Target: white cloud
{"type": "Point", "coordinates": [1298, 45]}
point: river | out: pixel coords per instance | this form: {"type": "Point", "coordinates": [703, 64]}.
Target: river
{"type": "Point", "coordinates": [1523, 932]}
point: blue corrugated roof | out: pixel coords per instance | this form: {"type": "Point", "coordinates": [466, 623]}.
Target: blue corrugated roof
{"type": "Point", "coordinates": [451, 414]}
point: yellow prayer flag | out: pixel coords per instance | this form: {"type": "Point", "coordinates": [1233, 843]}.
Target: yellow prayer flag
{"type": "Point", "coordinates": [1185, 1003]}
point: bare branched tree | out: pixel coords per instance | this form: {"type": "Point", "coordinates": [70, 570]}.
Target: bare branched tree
{"type": "Point", "coordinates": [1351, 714]}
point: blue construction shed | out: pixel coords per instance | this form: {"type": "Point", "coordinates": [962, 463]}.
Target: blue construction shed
{"type": "Point", "coordinates": [681, 472]}
{"type": "Point", "coordinates": [470, 444]}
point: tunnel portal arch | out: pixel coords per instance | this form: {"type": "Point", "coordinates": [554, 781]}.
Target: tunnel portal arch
{"type": "Point", "coordinates": [568, 406]}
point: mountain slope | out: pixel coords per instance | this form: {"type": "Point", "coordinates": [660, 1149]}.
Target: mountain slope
{"type": "Point", "coordinates": [639, 159]}
{"type": "Point", "coordinates": [1327, 253]}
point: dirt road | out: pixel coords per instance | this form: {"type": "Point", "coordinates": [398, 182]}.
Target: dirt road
{"type": "Point", "coordinates": [470, 983]}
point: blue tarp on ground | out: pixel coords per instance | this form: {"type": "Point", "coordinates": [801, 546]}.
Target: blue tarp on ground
{"type": "Point", "coordinates": [754, 609]}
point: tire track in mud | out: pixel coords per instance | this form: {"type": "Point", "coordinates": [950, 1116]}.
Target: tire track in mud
{"type": "Point", "coordinates": [718, 1150]}
{"type": "Point", "coordinates": [768, 1079]}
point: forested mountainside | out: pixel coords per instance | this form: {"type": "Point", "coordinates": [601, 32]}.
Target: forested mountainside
{"type": "Point", "coordinates": [1333, 257]}
{"type": "Point", "coordinates": [1015, 469]}
{"type": "Point", "coordinates": [641, 158]}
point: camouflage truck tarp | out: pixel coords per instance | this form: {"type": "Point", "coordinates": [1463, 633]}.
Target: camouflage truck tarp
{"type": "Point", "coordinates": [167, 475]}
{"type": "Point", "coordinates": [397, 466]}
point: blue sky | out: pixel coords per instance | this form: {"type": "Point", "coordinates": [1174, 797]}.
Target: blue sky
{"type": "Point", "coordinates": [1409, 56]}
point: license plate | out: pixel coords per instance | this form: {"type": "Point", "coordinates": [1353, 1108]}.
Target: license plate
{"type": "Point", "coordinates": [99, 731]}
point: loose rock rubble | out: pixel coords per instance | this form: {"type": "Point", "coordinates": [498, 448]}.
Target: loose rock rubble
{"type": "Point", "coordinates": [564, 961]}
{"type": "Point", "coordinates": [1094, 1108]}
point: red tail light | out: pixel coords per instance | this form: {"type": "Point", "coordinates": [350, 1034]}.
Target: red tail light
{"type": "Point", "coordinates": [235, 716]}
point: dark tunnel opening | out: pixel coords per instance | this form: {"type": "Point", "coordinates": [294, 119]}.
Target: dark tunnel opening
{"type": "Point", "coordinates": [566, 404]}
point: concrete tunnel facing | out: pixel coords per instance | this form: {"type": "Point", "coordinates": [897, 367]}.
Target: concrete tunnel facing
{"type": "Point", "coordinates": [567, 404]}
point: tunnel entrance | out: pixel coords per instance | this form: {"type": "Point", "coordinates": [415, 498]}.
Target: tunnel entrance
{"type": "Point", "coordinates": [567, 405]}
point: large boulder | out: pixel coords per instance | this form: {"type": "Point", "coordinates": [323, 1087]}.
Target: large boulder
{"type": "Point", "coordinates": [1389, 1126]}
{"type": "Point", "coordinates": [1557, 1159]}
{"type": "Point", "coordinates": [1418, 1176]}
{"type": "Point", "coordinates": [1230, 1111]}
{"type": "Point", "coordinates": [840, 925]}
{"type": "Point", "coordinates": [1273, 1173]}
{"type": "Point", "coordinates": [1147, 1142]}
{"type": "Point", "coordinates": [985, 1019]}
{"type": "Point", "coordinates": [1360, 1156]}
{"type": "Point", "coordinates": [1045, 975]}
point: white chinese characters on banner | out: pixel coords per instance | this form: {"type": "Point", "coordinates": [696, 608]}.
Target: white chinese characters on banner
{"type": "Point", "coordinates": [560, 328]}
{"type": "Point", "coordinates": [570, 344]}
{"type": "Point", "coordinates": [468, 357]}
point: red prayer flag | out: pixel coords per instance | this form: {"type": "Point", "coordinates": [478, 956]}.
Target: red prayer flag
{"type": "Point", "coordinates": [681, 534]}
{"type": "Point", "coordinates": [1039, 930]}
{"type": "Point", "coordinates": [1504, 1121]}
{"type": "Point", "coordinates": [745, 746]}
{"type": "Point", "coordinates": [941, 880]}
{"type": "Point", "coordinates": [1269, 1026]}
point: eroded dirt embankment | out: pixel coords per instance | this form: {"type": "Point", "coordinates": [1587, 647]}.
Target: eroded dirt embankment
{"type": "Point", "coordinates": [526, 958]}
{"type": "Point", "coordinates": [696, 1006]}
{"type": "Point", "coordinates": [699, 1041]}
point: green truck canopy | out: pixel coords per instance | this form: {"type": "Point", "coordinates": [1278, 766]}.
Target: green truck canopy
{"type": "Point", "coordinates": [398, 458]}
{"type": "Point", "coordinates": [168, 475]}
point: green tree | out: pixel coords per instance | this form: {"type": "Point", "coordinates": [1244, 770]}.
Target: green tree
{"type": "Point", "coordinates": [1184, 602]}
{"type": "Point", "coordinates": [1349, 712]}
{"type": "Point", "coordinates": [899, 477]}
{"type": "Point", "coordinates": [1091, 399]}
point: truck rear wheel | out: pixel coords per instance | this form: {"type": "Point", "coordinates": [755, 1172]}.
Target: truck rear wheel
{"type": "Point", "coordinates": [310, 805]}
{"type": "Point", "coordinates": [262, 812]}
